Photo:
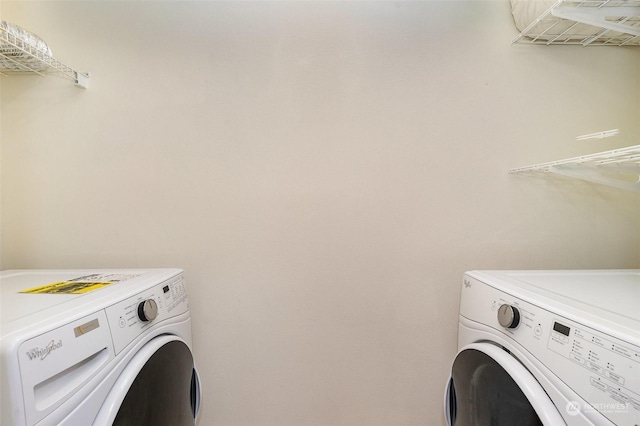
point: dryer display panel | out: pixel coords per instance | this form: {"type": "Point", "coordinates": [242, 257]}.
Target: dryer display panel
{"type": "Point", "coordinates": [562, 329]}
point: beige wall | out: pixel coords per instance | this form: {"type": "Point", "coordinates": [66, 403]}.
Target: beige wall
{"type": "Point", "coordinates": [324, 171]}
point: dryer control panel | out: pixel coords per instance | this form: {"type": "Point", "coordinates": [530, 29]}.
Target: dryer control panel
{"type": "Point", "coordinates": [603, 370]}
{"type": "Point", "coordinates": [613, 367]}
{"type": "Point", "coordinates": [130, 317]}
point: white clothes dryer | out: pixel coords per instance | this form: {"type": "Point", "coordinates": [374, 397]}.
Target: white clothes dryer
{"type": "Point", "coordinates": [96, 347]}
{"type": "Point", "coordinates": [547, 348]}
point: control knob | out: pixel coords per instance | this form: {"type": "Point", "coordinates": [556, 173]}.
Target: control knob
{"type": "Point", "coordinates": [148, 310]}
{"type": "Point", "coordinates": [508, 316]}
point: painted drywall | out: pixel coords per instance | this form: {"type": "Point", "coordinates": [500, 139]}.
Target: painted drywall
{"type": "Point", "coordinates": [324, 172]}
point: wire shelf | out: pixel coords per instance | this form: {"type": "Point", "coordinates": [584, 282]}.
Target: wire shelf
{"type": "Point", "coordinates": [586, 23]}
{"type": "Point", "coordinates": [619, 168]}
{"type": "Point", "coordinates": [23, 58]}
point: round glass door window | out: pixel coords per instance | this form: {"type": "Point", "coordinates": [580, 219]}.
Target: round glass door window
{"type": "Point", "coordinates": [162, 393]}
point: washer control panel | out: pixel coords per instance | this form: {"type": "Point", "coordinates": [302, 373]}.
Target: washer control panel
{"type": "Point", "coordinates": [602, 369]}
{"type": "Point", "coordinates": [132, 316]}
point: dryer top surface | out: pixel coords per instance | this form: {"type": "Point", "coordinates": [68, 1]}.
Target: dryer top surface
{"type": "Point", "coordinates": [612, 296]}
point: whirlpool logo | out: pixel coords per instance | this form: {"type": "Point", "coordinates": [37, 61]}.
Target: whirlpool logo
{"type": "Point", "coordinates": [43, 352]}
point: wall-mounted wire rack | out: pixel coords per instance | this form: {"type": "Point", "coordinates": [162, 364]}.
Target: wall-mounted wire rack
{"type": "Point", "coordinates": [583, 22]}
{"type": "Point", "coordinates": [21, 57]}
{"type": "Point", "coordinates": [619, 168]}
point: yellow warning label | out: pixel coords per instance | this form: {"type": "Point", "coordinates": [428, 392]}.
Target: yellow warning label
{"type": "Point", "coordinates": [67, 287]}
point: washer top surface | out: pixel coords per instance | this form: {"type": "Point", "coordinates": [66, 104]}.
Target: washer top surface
{"type": "Point", "coordinates": [609, 298]}
{"type": "Point", "coordinates": [30, 297]}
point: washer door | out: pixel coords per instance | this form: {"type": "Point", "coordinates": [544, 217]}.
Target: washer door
{"type": "Point", "coordinates": [158, 387]}
{"type": "Point", "coordinates": [488, 386]}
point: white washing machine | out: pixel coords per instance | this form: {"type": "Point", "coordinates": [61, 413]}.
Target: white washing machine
{"type": "Point", "coordinates": [547, 348]}
{"type": "Point", "coordinates": [96, 347]}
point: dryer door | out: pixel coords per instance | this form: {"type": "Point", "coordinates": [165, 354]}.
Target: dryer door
{"type": "Point", "coordinates": [488, 386]}
{"type": "Point", "coordinates": [158, 387]}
